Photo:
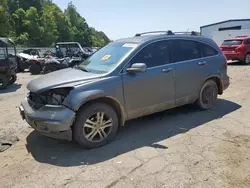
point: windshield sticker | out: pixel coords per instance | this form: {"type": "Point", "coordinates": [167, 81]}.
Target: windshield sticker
{"type": "Point", "coordinates": [129, 45]}
{"type": "Point", "coordinates": [106, 57]}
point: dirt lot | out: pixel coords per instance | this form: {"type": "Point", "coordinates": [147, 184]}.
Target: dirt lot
{"type": "Point", "coordinates": [183, 147]}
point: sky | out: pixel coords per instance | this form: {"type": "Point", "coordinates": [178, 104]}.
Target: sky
{"type": "Point", "coordinates": [125, 18]}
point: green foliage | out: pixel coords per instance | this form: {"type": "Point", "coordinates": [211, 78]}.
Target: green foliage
{"type": "Point", "coordinates": [4, 22]}
{"type": "Point", "coordinates": [42, 23]}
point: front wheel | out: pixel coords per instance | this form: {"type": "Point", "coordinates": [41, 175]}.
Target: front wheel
{"type": "Point", "coordinates": [96, 125]}
{"type": "Point", "coordinates": [208, 95]}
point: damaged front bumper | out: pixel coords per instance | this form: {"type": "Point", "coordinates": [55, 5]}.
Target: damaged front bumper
{"type": "Point", "coordinates": [49, 120]}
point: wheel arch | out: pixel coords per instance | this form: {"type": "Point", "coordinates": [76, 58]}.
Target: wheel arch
{"type": "Point", "coordinates": [114, 104]}
{"type": "Point", "coordinates": [218, 81]}
{"type": "Point", "coordinates": [109, 100]}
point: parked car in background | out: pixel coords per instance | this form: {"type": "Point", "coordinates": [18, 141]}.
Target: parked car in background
{"type": "Point", "coordinates": [237, 49]}
{"type": "Point", "coordinates": [126, 79]}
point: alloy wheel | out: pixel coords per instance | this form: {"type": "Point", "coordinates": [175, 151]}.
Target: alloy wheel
{"type": "Point", "coordinates": [97, 127]}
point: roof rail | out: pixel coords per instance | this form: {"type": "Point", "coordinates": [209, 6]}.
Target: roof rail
{"type": "Point", "coordinates": [150, 32]}
{"type": "Point", "coordinates": [193, 33]}
{"type": "Point", "coordinates": [169, 32]}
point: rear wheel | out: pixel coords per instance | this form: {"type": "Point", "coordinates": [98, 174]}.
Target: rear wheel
{"type": "Point", "coordinates": [208, 95]}
{"type": "Point", "coordinates": [3, 82]}
{"type": "Point", "coordinates": [247, 59]}
{"type": "Point", "coordinates": [49, 68]}
{"type": "Point", "coordinates": [12, 79]}
{"type": "Point", "coordinates": [35, 68]}
{"type": "Point", "coordinates": [96, 125]}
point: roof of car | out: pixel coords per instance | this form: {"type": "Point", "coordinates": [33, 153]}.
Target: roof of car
{"type": "Point", "coordinates": [145, 38]}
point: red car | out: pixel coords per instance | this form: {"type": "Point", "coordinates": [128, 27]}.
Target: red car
{"type": "Point", "coordinates": [237, 49]}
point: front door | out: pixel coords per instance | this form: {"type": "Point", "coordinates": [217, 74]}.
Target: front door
{"type": "Point", "coordinates": [153, 90]}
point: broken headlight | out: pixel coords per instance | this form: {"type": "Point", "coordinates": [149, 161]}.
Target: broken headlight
{"type": "Point", "coordinates": [54, 96]}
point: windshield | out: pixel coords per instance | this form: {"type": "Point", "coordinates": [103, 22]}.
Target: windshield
{"type": "Point", "coordinates": [231, 42]}
{"type": "Point", "coordinates": [107, 58]}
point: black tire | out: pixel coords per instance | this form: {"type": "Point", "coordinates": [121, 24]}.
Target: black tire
{"type": "Point", "coordinates": [208, 95]}
{"type": "Point", "coordinates": [35, 68]}
{"type": "Point", "coordinates": [19, 70]}
{"type": "Point", "coordinates": [85, 113]}
{"type": "Point", "coordinates": [13, 79]}
{"type": "Point", "coordinates": [49, 68]}
{"type": "Point", "coordinates": [247, 59]}
{"type": "Point", "coordinates": [3, 82]}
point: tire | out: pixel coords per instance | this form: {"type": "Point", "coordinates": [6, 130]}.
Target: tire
{"type": "Point", "coordinates": [19, 70]}
{"type": "Point", "coordinates": [49, 68]}
{"type": "Point", "coordinates": [35, 68]}
{"type": "Point", "coordinates": [211, 89]}
{"type": "Point", "coordinates": [12, 79]}
{"type": "Point", "coordinates": [3, 82]}
{"type": "Point", "coordinates": [84, 125]}
{"type": "Point", "coordinates": [247, 59]}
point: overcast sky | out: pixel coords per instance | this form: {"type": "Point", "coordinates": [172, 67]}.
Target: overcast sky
{"type": "Point", "coordinates": [120, 19]}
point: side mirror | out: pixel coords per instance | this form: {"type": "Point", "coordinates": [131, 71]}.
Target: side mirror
{"type": "Point", "coordinates": [137, 67]}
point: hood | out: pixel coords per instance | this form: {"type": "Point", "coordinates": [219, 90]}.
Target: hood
{"type": "Point", "coordinates": [63, 78]}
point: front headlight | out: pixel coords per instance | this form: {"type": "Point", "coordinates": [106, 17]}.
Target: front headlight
{"type": "Point", "coordinates": [50, 97]}
{"type": "Point", "coordinates": [55, 96]}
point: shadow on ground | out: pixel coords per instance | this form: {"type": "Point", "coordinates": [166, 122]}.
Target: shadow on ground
{"type": "Point", "coordinates": [11, 88]}
{"type": "Point", "coordinates": [237, 63]}
{"type": "Point", "coordinates": [145, 131]}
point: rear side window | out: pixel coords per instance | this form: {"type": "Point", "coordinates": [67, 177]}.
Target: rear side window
{"type": "Point", "coordinates": [232, 42]}
{"type": "Point", "coordinates": [153, 55]}
{"type": "Point", "coordinates": [184, 50]}
{"type": "Point", "coordinates": [207, 51]}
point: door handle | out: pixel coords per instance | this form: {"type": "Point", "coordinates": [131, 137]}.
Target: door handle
{"type": "Point", "coordinates": [166, 70]}
{"type": "Point", "coordinates": [202, 63]}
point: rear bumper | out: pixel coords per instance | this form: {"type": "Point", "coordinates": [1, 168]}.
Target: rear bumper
{"type": "Point", "coordinates": [233, 56]}
{"type": "Point", "coordinates": [51, 121]}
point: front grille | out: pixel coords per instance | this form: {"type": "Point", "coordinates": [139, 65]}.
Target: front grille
{"type": "Point", "coordinates": [35, 101]}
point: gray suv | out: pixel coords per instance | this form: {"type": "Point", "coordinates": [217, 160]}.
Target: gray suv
{"type": "Point", "coordinates": [126, 79]}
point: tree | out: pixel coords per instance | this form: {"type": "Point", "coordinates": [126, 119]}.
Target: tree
{"type": "Point", "coordinates": [80, 27]}
{"type": "Point", "coordinates": [33, 28]}
{"type": "Point", "coordinates": [19, 17]}
{"type": "Point", "coordinates": [64, 27]}
{"type": "Point", "coordinates": [50, 33]}
{"type": "Point", "coordinates": [98, 38]}
{"type": "Point", "coordinates": [5, 20]}
{"type": "Point", "coordinates": [43, 23]}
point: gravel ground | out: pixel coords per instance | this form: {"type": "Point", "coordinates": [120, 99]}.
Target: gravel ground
{"type": "Point", "coordinates": [178, 148]}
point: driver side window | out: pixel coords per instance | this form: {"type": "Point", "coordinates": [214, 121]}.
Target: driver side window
{"type": "Point", "coordinates": [154, 54]}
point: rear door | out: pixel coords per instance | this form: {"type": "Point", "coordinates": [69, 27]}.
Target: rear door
{"type": "Point", "coordinates": [191, 69]}
{"type": "Point", "coordinates": [153, 90]}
